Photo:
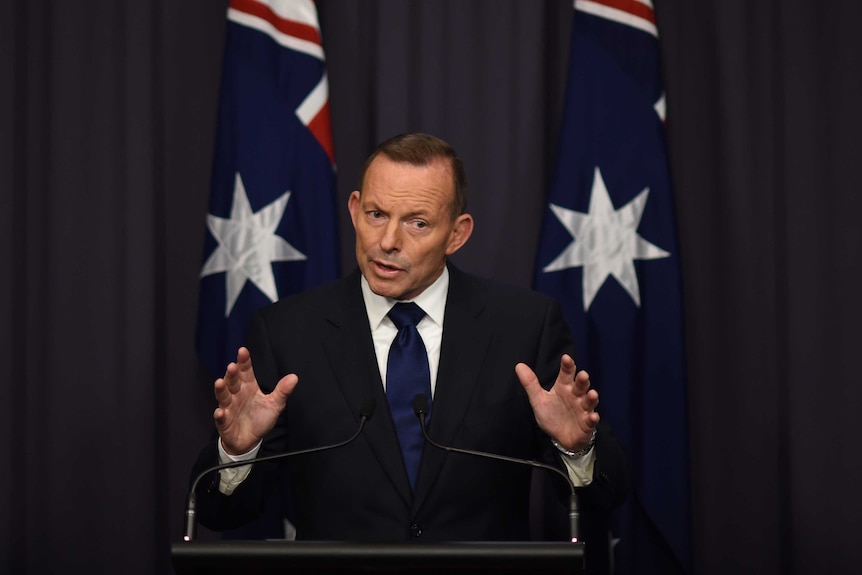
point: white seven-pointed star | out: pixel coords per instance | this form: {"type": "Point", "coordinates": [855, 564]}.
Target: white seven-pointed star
{"type": "Point", "coordinates": [247, 245]}
{"type": "Point", "coordinates": [605, 242]}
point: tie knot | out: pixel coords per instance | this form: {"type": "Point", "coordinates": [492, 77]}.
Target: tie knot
{"type": "Point", "coordinates": [406, 313]}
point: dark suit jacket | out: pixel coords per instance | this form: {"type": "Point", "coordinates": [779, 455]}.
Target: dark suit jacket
{"type": "Point", "coordinates": [361, 491]}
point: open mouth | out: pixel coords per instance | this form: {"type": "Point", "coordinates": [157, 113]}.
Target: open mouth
{"type": "Point", "coordinates": [386, 267]}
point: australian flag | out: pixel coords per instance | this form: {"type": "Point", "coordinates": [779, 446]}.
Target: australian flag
{"type": "Point", "coordinates": [272, 223]}
{"type": "Point", "coordinates": [609, 253]}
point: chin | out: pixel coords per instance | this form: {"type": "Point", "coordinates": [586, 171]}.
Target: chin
{"type": "Point", "coordinates": [385, 289]}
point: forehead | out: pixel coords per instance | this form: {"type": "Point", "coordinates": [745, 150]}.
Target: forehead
{"type": "Point", "coordinates": [388, 184]}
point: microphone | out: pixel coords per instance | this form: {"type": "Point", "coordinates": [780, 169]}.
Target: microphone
{"type": "Point", "coordinates": [420, 408]}
{"type": "Point", "coordinates": [366, 410]}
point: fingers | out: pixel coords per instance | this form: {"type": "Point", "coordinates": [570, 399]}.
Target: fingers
{"type": "Point", "coordinates": [589, 402]}
{"type": "Point", "coordinates": [567, 368]}
{"type": "Point", "coordinates": [236, 373]}
{"type": "Point", "coordinates": [528, 379]}
{"type": "Point", "coordinates": [240, 371]}
{"type": "Point", "coordinates": [591, 399]}
{"type": "Point", "coordinates": [581, 383]}
{"type": "Point", "coordinates": [580, 387]}
{"type": "Point", "coordinates": [243, 355]}
{"type": "Point", "coordinates": [222, 393]}
{"type": "Point", "coordinates": [244, 370]}
{"type": "Point", "coordinates": [566, 378]}
{"type": "Point", "coordinates": [283, 389]}
{"type": "Point", "coordinates": [219, 417]}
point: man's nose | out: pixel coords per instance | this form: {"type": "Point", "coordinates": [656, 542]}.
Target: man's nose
{"type": "Point", "coordinates": [391, 238]}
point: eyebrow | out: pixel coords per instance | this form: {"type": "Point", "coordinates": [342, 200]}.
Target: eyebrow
{"type": "Point", "coordinates": [421, 213]}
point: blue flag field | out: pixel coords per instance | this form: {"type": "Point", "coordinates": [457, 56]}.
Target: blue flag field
{"type": "Point", "coordinates": [272, 222]}
{"type": "Point", "coordinates": [609, 253]}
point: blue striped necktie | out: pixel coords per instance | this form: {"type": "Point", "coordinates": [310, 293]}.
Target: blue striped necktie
{"type": "Point", "coordinates": [407, 374]}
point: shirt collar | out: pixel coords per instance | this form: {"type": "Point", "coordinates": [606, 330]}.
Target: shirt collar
{"type": "Point", "coordinates": [432, 301]}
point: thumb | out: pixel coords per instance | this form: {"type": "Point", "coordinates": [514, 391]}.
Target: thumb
{"type": "Point", "coordinates": [529, 381]}
{"type": "Point", "coordinates": [283, 389]}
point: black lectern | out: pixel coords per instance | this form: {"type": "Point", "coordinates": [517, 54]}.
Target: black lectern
{"type": "Point", "coordinates": [234, 557]}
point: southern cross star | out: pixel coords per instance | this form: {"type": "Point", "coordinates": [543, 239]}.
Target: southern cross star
{"type": "Point", "coordinates": [248, 244]}
{"type": "Point", "coordinates": [605, 242]}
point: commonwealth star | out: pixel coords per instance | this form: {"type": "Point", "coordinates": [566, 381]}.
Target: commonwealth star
{"type": "Point", "coordinates": [248, 244]}
{"type": "Point", "coordinates": [605, 242]}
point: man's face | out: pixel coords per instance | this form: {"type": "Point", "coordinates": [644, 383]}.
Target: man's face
{"type": "Point", "coordinates": [404, 225]}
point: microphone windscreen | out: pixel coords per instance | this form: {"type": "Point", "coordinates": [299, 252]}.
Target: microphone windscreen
{"type": "Point", "coordinates": [420, 404]}
{"type": "Point", "coordinates": [367, 407]}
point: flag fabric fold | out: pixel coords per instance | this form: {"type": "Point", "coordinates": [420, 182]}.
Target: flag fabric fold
{"type": "Point", "coordinates": [608, 251]}
{"type": "Point", "coordinates": [272, 222]}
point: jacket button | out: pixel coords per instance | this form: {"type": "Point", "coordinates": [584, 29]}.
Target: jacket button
{"type": "Point", "coordinates": [415, 530]}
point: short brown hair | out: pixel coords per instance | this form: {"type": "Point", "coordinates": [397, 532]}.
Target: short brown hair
{"type": "Point", "coordinates": [421, 150]}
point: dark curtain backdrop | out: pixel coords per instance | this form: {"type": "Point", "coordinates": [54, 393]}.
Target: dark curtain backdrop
{"type": "Point", "coordinates": [107, 113]}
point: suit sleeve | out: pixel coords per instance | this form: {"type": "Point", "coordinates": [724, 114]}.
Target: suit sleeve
{"type": "Point", "coordinates": [215, 510]}
{"type": "Point", "coordinates": [611, 481]}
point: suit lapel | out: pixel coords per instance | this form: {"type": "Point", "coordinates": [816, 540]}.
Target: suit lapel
{"type": "Point", "coordinates": [466, 337]}
{"type": "Point", "coordinates": [351, 353]}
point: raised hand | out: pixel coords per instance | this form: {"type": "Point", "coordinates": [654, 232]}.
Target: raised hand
{"type": "Point", "coordinates": [244, 413]}
{"type": "Point", "coordinates": [567, 411]}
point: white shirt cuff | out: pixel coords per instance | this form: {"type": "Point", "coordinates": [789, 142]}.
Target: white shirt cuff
{"type": "Point", "coordinates": [230, 479]}
{"type": "Point", "coordinates": [580, 468]}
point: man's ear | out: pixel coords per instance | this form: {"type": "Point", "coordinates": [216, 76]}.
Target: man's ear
{"type": "Point", "coordinates": [353, 206]}
{"type": "Point", "coordinates": [461, 232]}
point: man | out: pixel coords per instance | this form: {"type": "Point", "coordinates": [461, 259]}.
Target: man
{"type": "Point", "coordinates": [489, 350]}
